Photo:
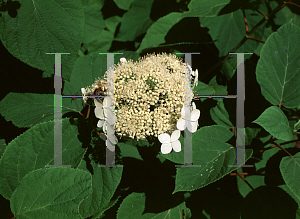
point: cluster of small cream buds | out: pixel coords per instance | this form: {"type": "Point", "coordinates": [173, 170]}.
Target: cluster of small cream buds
{"type": "Point", "coordinates": [149, 95]}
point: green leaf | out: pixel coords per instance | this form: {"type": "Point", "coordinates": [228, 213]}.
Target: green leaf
{"type": "Point", "coordinates": [290, 171]}
{"type": "Point", "coordinates": [101, 214]}
{"type": "Point", "coordinates": [44, 27]}
{"type": "Point", "coordinates": [213, 88]}
{"type": "Point", "coordinates": [254, 181]}
{"type": "Point", "coordinates": [129, 150]}
{"type": "Point", "coordinates": [260, 166]}
{"type": "Point", "coordinates": [105, 181]}
{"type": "Point", "coordinates": [133, 206]}
{"type": "Point", "coordinates": [205, 8]}
{"type": "Point", "coordinates": [229, 29]}
{"type": "Point", "coordinates": [156, 33]}
{"type": "Point", "coordinates": [103, 43]}
{"type": "Point", "coordinates": [229, 68]}
{"type": "Point", "coordinates": [94, 23]}
{"type": "Point", "coordinates": [124, 4]}
{"type": "Point", "coordinates": [278, 69]}
{"type": "Point", "coordinates": [212, 153]}
{"type": "Point", "coordinates": [275, 122]}
{"type": "Point", "coordinates": [136, 21]}
{"type": "Point", "coordinates": [250, 134]}
{"type": "Point", "coordinates": [100, 3]}
{"type": "Point", "coordinates": [33, 150]}
{"type": "Point", "coordinates": [297, 125]}
{"type": "Point", "coordinates": [112, 23]}
{"type": "Point", "coordinates": [27, 110]}
{"type": "Point", "coordinates": [51, 193]}
{"type": "Point", "coordinates": [220, 115]}
{"type": "Point", "coordinates": [86, 70]}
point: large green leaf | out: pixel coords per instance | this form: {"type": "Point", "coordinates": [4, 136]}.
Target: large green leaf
{"type": "Point", "coordinates": [51, 193]}
{"type": "Point", "coordinates": [275, 122]}
{"type": "Point", "coordinates": [290, 170]}
{"type": "Point", "coordinates": [157, 32]}
{"type": "Point", "coordinates": [211, 152]}
{"type": "Point", "coordinates": [133, 206]}
{"type": "Point", "coordinates": [105, 181]}
{"type": "Point", "coordinates": [205, 8]}
{"type": "Point", "coordinates": [136, 21]}
{"type": "Point", "coordinates": [44, 27]}
{"type": "Point", "coordinates": [229, 29]}
{"type": "Point", "coordinates": [33, 150]}
{"type": "Point", "coordinates": [100, 3]}
{"type": "Point", "coordinates": [94, 23]}
{"type": "Point", "coordinates": [27, 110]}
{"type": "Point", "coordinates": [278, 69]}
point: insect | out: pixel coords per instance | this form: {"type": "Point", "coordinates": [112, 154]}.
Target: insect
{"type": "Point", "coordinates": [99, 90]}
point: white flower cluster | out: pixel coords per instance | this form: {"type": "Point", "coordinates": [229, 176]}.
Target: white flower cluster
{"type": "Point", "coordinates": [149, 97]}
{"type": "Point", "coordinates": [172, 142]}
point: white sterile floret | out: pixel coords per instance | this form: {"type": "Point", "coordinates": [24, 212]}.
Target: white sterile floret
{"type": "Point", "coordinates": [195, 114]}
{"type": "Point", "coordinates": [104, 112]}
{"type": "Point", "coordinates": [195, 73]}
{"type": "Point", "coordinates": [122, 60]}
{"type": "Point", "coordinates": [84, 92]}
{"type": "Point", "coordinates": [170, 142]}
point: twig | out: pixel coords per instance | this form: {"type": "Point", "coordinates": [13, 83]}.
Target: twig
{"type": "Point", "coordinates": [240, 175]}
{"type": "Point", "coordinates": [274, 146]}
{"type": "Point", "coordinates": [278, 145]}
{"type": "Point", "coordinates": [248, 174]}
{"type": "Point", "coordinates": [246, 23]}
{"type": "Point", "coordinates": [261, 13]}
{"type": "Point", "coordinates": [291, 3]}
{"type": "Point", "coordinates": [255, 39]}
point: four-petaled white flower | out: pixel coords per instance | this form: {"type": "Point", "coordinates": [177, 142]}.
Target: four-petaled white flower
{"type": "Point", "coordinates": [104, 112]}
{"type": "Point", "coordinates": [195, 114]}
{"type": "Point", "coordinates": [170, 142]}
